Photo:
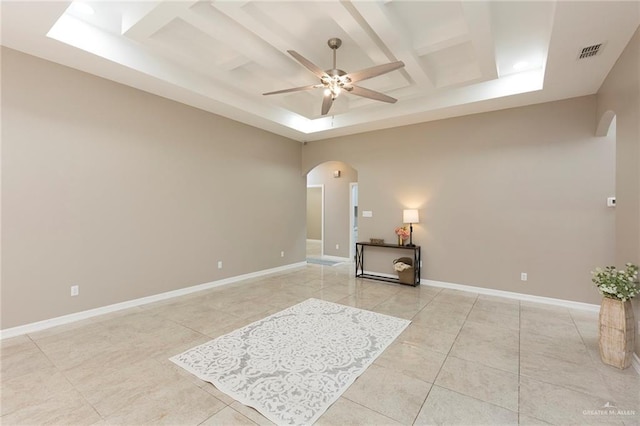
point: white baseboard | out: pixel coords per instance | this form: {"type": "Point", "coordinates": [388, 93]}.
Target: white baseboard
{"type": "Point", "coordinates": [66, 319]}
{"type": "Point", "coordinates": [512, 295]}
{"type": "Point", "coordinates": [501, 293]}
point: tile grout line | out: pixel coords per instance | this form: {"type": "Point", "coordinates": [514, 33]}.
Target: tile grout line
{"type": "Point", "coordinates": [363, 406]}
{"type": "Point", "coordinates": [569, 389]}
{"type": "Point", "coordinates": [432, 384]}
{"type": "Point", "coordinates": [591, 358]}
{"type": "Point", "coordinates": [62, 373]}
{"type": "Point", "coordinates": [446, 356]}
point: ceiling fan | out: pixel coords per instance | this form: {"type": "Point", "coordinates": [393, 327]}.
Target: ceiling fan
{"type": "Point", "coordinates": [335, 80]}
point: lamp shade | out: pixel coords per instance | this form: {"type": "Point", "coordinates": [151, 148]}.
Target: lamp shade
{"type": "Point", "coordinates": [410, 216]}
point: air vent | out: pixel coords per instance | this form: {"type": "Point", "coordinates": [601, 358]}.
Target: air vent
{"type": "Point", "coordinates": [589, 51]}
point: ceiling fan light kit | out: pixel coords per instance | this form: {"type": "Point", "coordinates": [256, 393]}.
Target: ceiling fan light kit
{"type": "Point", "coordinates": [335, 80]}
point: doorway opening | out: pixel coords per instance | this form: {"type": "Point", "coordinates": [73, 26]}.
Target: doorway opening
{"type": "Point", "coordinates": [353, 222]}
{"type": "Point", "coordinates": [332, 209]}
{"type": "Point", "coordinates": [315, 220]}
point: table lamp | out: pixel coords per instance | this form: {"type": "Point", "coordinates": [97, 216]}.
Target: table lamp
{"type": "Point", "coordinates": [410, 216]}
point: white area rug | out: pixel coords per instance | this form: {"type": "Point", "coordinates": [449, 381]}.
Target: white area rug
{"type": "Point", "coordinates": [291, 366]}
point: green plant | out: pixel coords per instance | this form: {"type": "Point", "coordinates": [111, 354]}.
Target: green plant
{"type": "Point", "coordinates": [617, 283]}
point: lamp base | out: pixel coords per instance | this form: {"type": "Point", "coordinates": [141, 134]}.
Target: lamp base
{"type": "Point", "coordinates": [410, 245]}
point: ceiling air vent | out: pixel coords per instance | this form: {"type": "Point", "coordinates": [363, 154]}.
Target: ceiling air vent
{"type": "Point", "coordinates": [590, 51]}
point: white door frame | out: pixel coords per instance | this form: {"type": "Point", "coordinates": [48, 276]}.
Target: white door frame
{"type": "Point", "coordinates": [352, 243]}
{"type": "Point", "coordinates": [321, 186]}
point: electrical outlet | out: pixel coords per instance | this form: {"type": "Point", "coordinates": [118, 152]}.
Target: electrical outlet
{"type": "Point", "coordinates": [75, 290]}
{"type": "Point", "coordinates": [523, 276]}
{"type": "Point", "coordinates": [337, 246]}
{"type": "Point", "coordinates": [281, 254]}
{"type": "Point", "coordinates": [219, 264]}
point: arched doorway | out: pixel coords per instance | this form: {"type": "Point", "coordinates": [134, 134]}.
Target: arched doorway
{"type": "Point", "coordinates": [332, 189]}
{"type": "Point", "coordinates": [605, 123]}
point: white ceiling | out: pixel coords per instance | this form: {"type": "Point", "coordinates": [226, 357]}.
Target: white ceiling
{"type": "Point", "coordinates": [221, 56]}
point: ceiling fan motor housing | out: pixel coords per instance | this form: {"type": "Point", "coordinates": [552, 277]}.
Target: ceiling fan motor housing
{"type": "Point", "coordinates": [334, 43]}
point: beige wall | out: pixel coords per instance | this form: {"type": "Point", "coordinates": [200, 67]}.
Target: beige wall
{"type": "Point", "coordinates": [500, 193]}
{"type": "Point", "coordinates": [127, 194]}
{"type": "Point", "coordinates": [314, 213]}
{"type": "Point", "coordinates": [620, 94]}
{"type": "Point", "coordinates": [336, 204]}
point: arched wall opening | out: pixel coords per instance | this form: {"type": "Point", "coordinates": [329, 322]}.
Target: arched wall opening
{"type": "Point", "coordinates": [331, 211]}
{"type": "Point", "coordinates": [605, 123]}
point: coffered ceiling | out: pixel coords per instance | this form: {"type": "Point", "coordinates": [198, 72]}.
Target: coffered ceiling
{"type": "Point", "coordinates": [460, 57]}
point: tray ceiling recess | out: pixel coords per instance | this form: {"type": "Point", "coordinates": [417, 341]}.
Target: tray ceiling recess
{"type": "Point", "coordinates": [460, 57]}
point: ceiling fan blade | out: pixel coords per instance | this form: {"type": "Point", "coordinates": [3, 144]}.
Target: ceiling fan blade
{"type": "Point", "coordinates": [294, 89]}
{"type": "Point", "coordinates": [374, 71]}
{"type": "Point", "coordinates": [327, 101]}
{"type": "Point", "coordinates": [308, 64]}
{"type": "Point", "coordinates": [371, 94]}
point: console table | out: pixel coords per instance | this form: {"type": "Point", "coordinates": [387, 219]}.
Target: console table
{"type": "Point", "coordinates": [360, 273]}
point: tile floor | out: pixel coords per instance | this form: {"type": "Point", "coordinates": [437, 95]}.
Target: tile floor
{"type": "Point", "coordinates": [465, 359]}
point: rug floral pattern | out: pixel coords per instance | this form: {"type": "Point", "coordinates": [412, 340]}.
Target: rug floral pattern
{"type": "Point", "coordinates": [292, 365]}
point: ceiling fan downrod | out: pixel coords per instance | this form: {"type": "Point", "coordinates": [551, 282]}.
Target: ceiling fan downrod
{"type": "Point", "coordinates": [335, 79]}
{"type": "Point", "coordinates": [334, 43]}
